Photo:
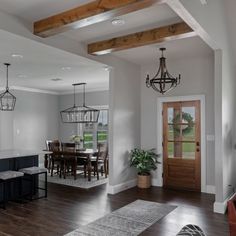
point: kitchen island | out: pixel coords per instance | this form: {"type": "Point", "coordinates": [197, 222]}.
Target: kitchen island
{"type": "Point", "coordinates": [15, 160]}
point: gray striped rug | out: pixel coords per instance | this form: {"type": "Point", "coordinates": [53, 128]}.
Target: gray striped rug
{"type": "Point", "coordinates": [129, 220]}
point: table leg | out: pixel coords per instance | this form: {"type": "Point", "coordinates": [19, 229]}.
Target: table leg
{"type": "Point", "coordinates": [46, 161]}
{"type": "Point", "coordinates": [75, 168]}
{"type": "Point", "coordinates": [89, 169]}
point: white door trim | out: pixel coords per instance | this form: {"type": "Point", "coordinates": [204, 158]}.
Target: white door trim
{"type": "Point", "coordinates": [160, 101]}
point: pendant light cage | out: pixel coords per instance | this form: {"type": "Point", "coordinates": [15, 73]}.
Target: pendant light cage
{"type": "Point", "coordinates": [7, 99]}
{"type": "Point", "coordinates": [163, 81]}
{"type": "Point", "coordinates": [80, 114]}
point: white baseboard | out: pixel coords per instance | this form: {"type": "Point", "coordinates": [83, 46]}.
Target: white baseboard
{"type": "Point", "coordinates": [210, 189]}
{"type": "Point", "coordinates": [220, 207]}
{"type": "Point", "coordinates": [114, 189]}
{"type": "Point", "coordinates": [156, 182]}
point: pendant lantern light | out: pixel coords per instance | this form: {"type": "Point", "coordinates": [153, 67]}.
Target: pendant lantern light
{"type": "Point", "coordinates": [80, 114]}
{"type": "Point", "coordinates": [7, 99]}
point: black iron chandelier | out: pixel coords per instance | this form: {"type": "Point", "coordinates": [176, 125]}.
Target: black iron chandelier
{"type": "Point", "coordinates": [80, 114]}
{"type": "Point", "coordinates": [7, 99]}
{"type": "Point", "coordinates": [163, 81]}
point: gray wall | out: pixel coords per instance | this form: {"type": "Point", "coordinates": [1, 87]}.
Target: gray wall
{"type": "Point", "coordinates": [197, 78]}
{"type": "Point", "coordinates": [65, 101]}
{"type": "Point", "coordinates": [124, 120]}
{"type": "Point", "coordinates": [34, 120]}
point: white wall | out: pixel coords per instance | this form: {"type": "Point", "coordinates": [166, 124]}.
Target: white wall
{"type": "Point", "coordinates": [124, 119]}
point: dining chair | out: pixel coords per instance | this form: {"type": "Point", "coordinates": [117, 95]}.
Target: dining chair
{"type": "Point", "coordinates": [69, 158]}
{"type": "Point", "coordinates": [71, 161]}
{"type": "Point", "coordinates": [56, 159]}
{"type": "Point", "coordinates": [100, 160]}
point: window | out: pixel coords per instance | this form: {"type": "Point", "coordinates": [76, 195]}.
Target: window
{"type": "Point", "coordinates": [102, 127]}
{"type": "Point", "coordinates": [96, 133]}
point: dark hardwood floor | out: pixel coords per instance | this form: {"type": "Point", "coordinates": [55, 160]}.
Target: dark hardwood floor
{"type": "Point", "coordinates": [67, 208]}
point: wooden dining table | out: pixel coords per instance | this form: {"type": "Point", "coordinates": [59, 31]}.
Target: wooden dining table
{"type": "Point", "coordinates": [85, 154]}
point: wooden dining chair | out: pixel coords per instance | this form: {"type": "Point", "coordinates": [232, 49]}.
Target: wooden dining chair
{"type": "Point", "coordinates": [56, 159]}
{"type": "Point", "coordinates": [68, 150]}
{"type": "Point", "coordinates": [71, 162]}
{"type": "Point", "coordinates": [100, 161]}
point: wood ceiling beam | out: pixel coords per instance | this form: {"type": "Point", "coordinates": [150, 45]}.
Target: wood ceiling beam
{"type": "Point", "coordinates": [91, 13]}
{"type": "Point", "coordinates": [157, 35]}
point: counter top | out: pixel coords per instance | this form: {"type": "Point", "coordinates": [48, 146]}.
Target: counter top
{"type": "Point", "coordinates": [14, 153]}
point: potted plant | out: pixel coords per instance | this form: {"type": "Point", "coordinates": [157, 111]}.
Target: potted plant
{"type": "Point", "coordinates": [77, 139]}
{"type": "Point", "coordinates": [145, 161]}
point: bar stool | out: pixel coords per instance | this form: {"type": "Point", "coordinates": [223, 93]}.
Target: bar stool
{"type": "Point", "coordinates": [7, 177]}
{"type": "Point", "coordinates": [31, 173]}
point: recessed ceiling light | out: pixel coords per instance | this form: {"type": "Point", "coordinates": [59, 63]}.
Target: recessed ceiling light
{"type": "Point", "coordinates": [56, 79]}
{"type": "Point", "coordinates": [106, 68]}
{"type": "Point", "coordinates": [16, 55]}
{"type": "Point", "coordinates": [21, 76]}
{"type": "Point", "coordinates": [203, 2]}
{"type": "Point", "coordinates": [118, 22]}
{"type": "Point", "coordinates": [66, 68]}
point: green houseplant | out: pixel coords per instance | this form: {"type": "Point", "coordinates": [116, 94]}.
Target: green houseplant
{"type": "Point", "coordinates": [144, 161]}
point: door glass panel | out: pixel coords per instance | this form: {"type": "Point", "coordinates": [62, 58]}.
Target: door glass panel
{"type": "Point", "coordinates": [188, 150]}
{"type": "Point", "coordinates": [181, 132]}
{"type": "Point", "coordinates": [188, 114]}
{"type": "Point", "coordinates": [181, 150]}
{"type": "Point", "coordinates": [174, 132]}
{"type": "Point", "coordinates": [188, 132]}
{"type": "Point", "coordinates": [173, 115]}
{"type": "Point", "coordinates": [170, 115]}
{"type": "Point", "coordinates": [170, 150]}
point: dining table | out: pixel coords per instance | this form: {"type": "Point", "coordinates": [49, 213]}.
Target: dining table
{"type": "Point", "coordinates": [84, 154]}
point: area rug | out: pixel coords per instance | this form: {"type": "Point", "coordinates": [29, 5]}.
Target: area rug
{"type": "Point", "coordinates": [129, 220]}
{"type": "Point", "coordinates": [80, 182]}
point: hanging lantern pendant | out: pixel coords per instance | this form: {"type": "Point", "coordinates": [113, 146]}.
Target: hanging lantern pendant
{"type": "Point", "coordinates": [80, 114]}
{"type": "Point", "coordinates": [7, 99]}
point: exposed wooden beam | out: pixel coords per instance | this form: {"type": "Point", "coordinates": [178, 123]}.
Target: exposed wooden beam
{"type": "Point", "coordinates": [165, 33]}
{"type": "Point", "coordinates": [91, 13]}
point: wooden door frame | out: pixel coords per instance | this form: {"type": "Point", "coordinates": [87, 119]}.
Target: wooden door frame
{"type": "Point", "coordinates": [160, 101]}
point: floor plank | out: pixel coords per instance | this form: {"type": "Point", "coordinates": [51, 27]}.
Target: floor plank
{"type": "Point", "coordinates": [67, 208]}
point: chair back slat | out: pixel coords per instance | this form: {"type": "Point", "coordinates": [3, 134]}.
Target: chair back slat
{"type": "Point", "coordinates": [54, 146]}
{"type": "Point", "coordinates": [68, 147]}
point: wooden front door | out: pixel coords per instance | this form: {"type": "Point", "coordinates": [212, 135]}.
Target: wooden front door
{"type": "Point", "coordinates": [182, 145]}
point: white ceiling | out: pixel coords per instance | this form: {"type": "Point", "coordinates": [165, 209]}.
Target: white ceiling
{"type": "Point", "coordinates": [38, 56]}
{"type": "Point", "coordinates": [145, 19]}
{"type": "Point", "coordinates": [37, 9]}
{"type": "Point", "coordinates": [176, 50]}
{"type": "Point", "coordinates": [42, 63]}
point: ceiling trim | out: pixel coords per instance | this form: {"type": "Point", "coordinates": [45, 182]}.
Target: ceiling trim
{"type": "Point", "coordinates": [88, 14]}
{"type": "Point", "coordinates": [157, 35]}
{"type": "Point", "coordinates": [87, 91]}
{"type": "Point", "coordinates": [33, 90]}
